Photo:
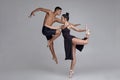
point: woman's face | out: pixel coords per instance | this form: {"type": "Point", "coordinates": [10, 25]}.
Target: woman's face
{"type": "Point", "coordinates": [63, 19]}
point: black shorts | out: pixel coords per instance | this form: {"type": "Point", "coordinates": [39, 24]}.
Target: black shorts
{"type": "Point", "coordinates": [48, 32]}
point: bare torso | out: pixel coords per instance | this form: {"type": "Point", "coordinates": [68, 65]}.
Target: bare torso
{"type": "Point", "coordinates": [49, 19]}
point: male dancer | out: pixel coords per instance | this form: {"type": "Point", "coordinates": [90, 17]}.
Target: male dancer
{"type": "Point", "coordinates": [51, 33]}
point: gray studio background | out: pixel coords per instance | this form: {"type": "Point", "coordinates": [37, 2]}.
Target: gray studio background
{"type": "Point", "coordinates": [22, 45]}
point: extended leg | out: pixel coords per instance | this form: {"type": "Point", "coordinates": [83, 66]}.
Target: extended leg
{"type": "Point", "coordinates": [81, 42]}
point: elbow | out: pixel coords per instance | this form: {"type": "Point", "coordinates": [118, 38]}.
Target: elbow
{"type": "Point", "coordinates": [38, 9]}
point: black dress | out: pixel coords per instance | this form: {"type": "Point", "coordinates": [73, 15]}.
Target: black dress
{"type": "Point", "coordinates": [68, 44]}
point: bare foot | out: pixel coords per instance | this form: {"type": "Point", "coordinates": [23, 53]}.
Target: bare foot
{"type": "Point", "coordinates": [55, 59]}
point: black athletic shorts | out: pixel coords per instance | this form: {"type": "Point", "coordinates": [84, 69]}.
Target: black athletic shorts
{"type": "Point", "coordinates": [48, 32]}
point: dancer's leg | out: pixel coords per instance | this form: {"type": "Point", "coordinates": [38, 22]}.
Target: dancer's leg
{"type": "Point", "coordinates": [73, 62]}
{"type": "Point", "coordinates": [51, 47]}
{"type": "Point", "coordinates": [77, 41]}
{"type": "Point", "coordinates": [57, 34]}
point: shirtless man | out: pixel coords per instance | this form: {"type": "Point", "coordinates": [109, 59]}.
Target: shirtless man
{"type": "Point", "coordinates": [51, 33]}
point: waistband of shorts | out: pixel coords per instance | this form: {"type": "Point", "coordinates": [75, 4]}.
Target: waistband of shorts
{"type": "Point", "coordinates": [46, 27]}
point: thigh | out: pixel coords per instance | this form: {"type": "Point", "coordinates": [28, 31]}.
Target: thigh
{"type": "Point", "coordinates": [48, 32]}
{"type": "Point", "coordinates": [77, 41]}
{"type": "Point", "coordinates": [52, 32]}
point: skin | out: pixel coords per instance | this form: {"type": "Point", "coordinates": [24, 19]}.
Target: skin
{"type": "Point", "coordinates": [49, 19]}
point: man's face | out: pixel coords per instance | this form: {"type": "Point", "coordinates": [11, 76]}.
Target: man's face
{"type": "Point", "coordinates": [59, 12]}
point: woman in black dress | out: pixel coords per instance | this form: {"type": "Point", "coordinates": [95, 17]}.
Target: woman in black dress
{"type": "Point", "coordinates": [72, 42]}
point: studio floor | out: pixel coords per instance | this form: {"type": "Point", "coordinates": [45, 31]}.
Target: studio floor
{"type": "Point", "coordinates": [47, 75]}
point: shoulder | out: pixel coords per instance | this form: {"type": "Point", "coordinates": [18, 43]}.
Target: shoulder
{"type": "Point", "coordinates": [50, 12]}
{"type": "Point", "coordinates": [70, 25]}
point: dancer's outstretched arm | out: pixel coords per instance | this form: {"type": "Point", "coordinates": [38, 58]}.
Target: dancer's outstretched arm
{"type": "Point", "coordinates": [76, 29]}
{"type": "Point", "coordinates": [75, 24]}
{"type": "Point", "coordinates": [40, 9]}
{"type": "Point", "coordinates": [59, 21]}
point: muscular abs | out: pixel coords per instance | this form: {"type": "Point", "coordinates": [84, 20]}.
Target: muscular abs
{"type": "Point", "coordinates": [49, 19]}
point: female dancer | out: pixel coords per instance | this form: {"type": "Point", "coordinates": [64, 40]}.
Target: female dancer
{"type": "Point", "coordinates": [72, 42]}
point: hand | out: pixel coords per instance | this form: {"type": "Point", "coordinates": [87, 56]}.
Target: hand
{"type": "Point", "coordinates": [32, 14]}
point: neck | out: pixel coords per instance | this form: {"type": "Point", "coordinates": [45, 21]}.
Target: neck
{"type": "Point", "coordinates": [55, 14]}
{"type": "Point", "coordinates": [66, 23]}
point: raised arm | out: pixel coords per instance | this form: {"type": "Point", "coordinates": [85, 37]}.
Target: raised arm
{"type": "Point", "coordinates": [76, 29]}
{"type": "Point", "coordinates": [75, 24]}
{"type": "Point", "coordinates": [59, 21]}
{"type": "Point", "coordinates": [40, 9]}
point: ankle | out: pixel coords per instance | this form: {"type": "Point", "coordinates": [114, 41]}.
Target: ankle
{"type": "Point", "coordinates": [71, 71]}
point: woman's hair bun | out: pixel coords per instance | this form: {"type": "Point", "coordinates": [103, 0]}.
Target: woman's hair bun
{"type": "Point", "coordinates": [67, 14]}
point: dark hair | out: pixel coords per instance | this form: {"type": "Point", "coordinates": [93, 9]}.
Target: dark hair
{"type": "Point", "coordinates": [58, 8]}
{"type": "Point", "coordinates": [66, 16]}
